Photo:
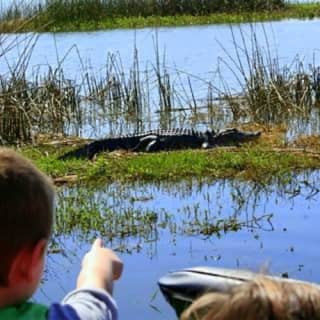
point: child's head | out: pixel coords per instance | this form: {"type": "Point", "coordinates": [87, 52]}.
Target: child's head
{"type": "Point", "coordinates": [262, 298]}
{"type": "Point", "coordinates": [26, 213]}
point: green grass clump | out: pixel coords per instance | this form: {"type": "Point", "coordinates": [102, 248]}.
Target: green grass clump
{"type": "Point", "coordinates": [46, 160]}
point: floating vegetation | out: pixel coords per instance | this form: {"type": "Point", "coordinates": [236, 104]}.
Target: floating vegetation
{"type": "Point", "coordinates": [230, 224]}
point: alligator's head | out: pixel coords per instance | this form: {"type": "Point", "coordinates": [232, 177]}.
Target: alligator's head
{"type": "Point", "coordinates": [208, 136]}
{"type": "Point", "coordinates": [235, 136]}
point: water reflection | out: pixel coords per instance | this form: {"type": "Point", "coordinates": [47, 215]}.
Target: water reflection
{"type": "Point", "coordinates": [161, 227]}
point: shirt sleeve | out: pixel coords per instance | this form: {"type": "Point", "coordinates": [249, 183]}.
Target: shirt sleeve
{"type": "Point", "coordinates": [85, 304]}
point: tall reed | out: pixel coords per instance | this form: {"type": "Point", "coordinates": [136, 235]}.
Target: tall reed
{"type": "Point", "coordinates": [271, 92]}
{"type": "Point", "coordinates": [155, 96]}
{"type": "Point", "coordinates": [49, 104]}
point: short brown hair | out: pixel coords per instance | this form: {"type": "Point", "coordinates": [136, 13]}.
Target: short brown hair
{"type": "Point", "coordinates": [263, 298]}
{"type": "Point", "coordinates": [26, 207]}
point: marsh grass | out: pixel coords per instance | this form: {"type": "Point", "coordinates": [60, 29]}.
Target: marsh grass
{"type": "Point", "coordinates": [307, 142]}
{"type": "Point", "coordinates": [89, 9]}
{"type": "Point", "coordinates": [47, 105]}
{"type": "Point", "coordinates": [61, 12]}
{"type": "Point", "coordinates": [50, 103]}
{"type": "Point", "coordinates": [87, 210]}
{"type": "Point", "coordinates": [271, 92]}
{"type": "Point", "coordinates": [36, 18]}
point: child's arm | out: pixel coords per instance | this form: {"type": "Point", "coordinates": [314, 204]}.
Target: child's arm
{"type": "Point", "coordinates": [100, 267]}
{"type": "Point", "coordinates": [92, 299]}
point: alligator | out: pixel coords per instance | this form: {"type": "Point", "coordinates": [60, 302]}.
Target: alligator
{"type": "Point", "coordinates": [158, 140]}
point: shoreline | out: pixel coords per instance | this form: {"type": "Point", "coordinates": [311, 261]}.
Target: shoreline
{"type": "Point", "coordinates": [305, 11]}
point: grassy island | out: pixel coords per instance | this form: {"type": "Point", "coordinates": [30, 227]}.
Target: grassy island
{"type": "Point", "coordinates": [262, 162]}
{"type": "Point", "coordinates": [88, 15]}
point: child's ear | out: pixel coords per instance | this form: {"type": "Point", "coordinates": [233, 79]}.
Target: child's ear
{"type": "Point", "coordinates": [28, 263]}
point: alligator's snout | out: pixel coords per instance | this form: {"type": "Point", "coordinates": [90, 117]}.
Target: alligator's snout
{"type": "Point", "coordinates": [235, 136]}
{"type": "Point", "coordinates": [255, 134]}
{"type": "Point", "coordinates": [243, 136]}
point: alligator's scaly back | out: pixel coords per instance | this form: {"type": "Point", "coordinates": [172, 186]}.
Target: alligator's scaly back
{"type": "Point", "coordinates": [154, 140]}
{"type": "Point", "coordinates": [158, 140]}
{"type": "Point", "coordinates": [98, 146]}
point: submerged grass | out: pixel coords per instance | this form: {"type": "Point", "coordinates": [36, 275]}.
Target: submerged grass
{"type": "Point", "coordinates": [83, 209]}
{"type": "Point", "coordinates": [112, 214]}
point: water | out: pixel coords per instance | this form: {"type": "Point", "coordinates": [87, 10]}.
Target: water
{"type": "Point", "coordinates": [287, 242]}
{"type": "Point", "coordinates": [199, 57]}
{"type": "Point", "coordinates": [208, 57]}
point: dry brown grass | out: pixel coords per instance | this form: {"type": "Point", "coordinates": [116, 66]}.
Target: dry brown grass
{"type": "Point", "coordinates": [271, 135]}
{"type": "Point", "coordinates": [307, 142]}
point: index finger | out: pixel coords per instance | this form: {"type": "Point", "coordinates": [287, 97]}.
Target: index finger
{"type": "Point", "coordinates": [98, 243]}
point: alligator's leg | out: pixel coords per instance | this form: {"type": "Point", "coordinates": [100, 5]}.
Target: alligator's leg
{"type": "Point", "coordinates": [207, 145]}
{"type": "Point", "coordinates": [144, 143]}
{"type": "Point", "coordinates": [150, 143]}
{"type": "Point", "coordinates": [153, 146]}
{"type": "Point", "coordinates": [87, 151]}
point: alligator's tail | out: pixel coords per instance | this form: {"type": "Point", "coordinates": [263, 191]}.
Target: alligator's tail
{"type": "Point", "coordinates": [78, 153]}
{"type": "Point", "coordinates": [87, 151]}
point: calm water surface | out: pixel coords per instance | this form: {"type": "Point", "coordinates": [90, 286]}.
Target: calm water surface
{"type": "Point", "coordinates": [286, 242]}
{"type": "Point", "coordinates": [194, 49]}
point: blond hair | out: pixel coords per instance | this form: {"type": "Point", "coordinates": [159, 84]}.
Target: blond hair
{"type": "Point", "coordinates": [261, 299]}
{"type": "Point", "coordinates": [26, 207]}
